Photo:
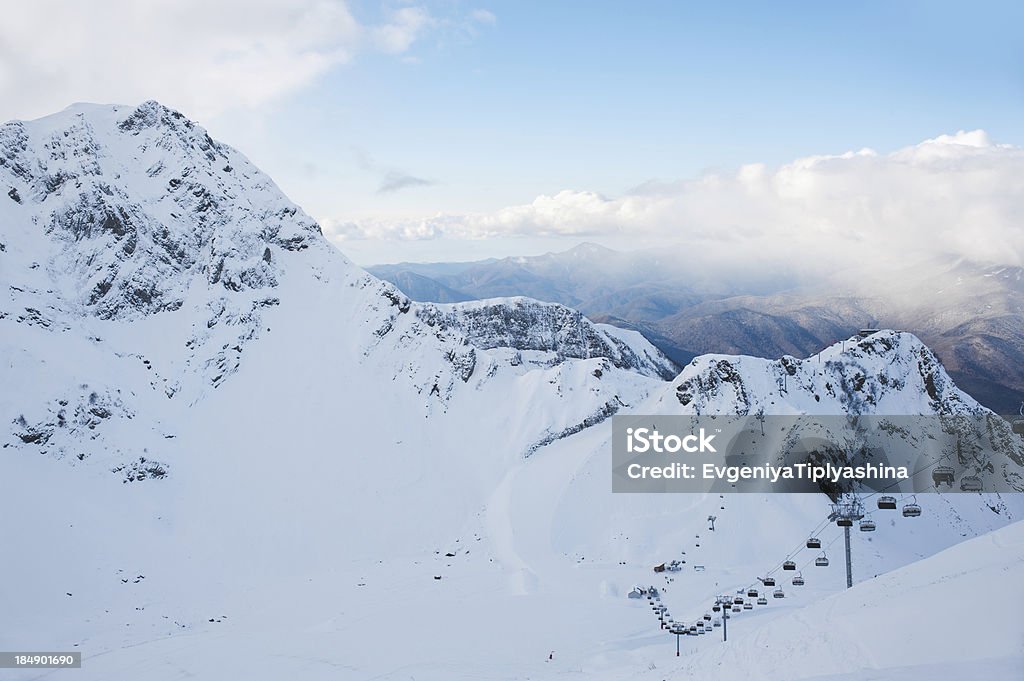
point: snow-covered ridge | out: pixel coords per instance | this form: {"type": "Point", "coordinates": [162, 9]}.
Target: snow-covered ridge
{"type": "Point", "coordinates": [526, 324]}
{"type": "Point", "coordinates": [889, 372]}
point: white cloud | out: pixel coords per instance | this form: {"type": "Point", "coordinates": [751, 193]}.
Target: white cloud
{"type": "Point", "coordinates": [198, 56]}
{"type": "Point", "coordinates": [483, 16]}
{"type": "Point", "coordinates": [956, 194]}
{"type": "Point", "coordinates": [404, 26]}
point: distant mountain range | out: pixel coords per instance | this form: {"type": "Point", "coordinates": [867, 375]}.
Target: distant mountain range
{"type": "Point", "coordinates": [971, 314]}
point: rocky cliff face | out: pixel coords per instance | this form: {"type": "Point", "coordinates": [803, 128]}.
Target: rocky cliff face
{"type": "Point", "coordinates": [530, 325]}
{"type": "Point", "coordinates": [140, 204]}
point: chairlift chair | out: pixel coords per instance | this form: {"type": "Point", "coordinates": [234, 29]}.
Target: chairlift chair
{"type": "Point", "coordinates": [737, 608]}
{"type": "Point", "coordinates": [789, 565]}
{"type": "Point", "coordinates": [778, 593]}
{"type": "Point", "coordinates": [716, 608]}
{"type": "Point", "coordinates": [867, 526]}
{"type": "Point", "coordinates": [911, 510]}
{"type": "Point", "coordinates": [815, 543]}
{"type": "Point", "coordinates": [798, 580]}
{"type": "Point", "coordinates": [762, 601]}
{"type": "Point", "coordinates": [748, 606]}
{"type": "Point", "coordinates": [843, 521]}
{"type": "Point", "coordinates": [738, 600]}
{"type": "Point", "coordinates": [943, 474]}
{"type": "Point", "coordinates": [971, 483]}
{"type": "Point", "coordinates": [887, 503]}
{"type": "Point", "coordinates": [1018, 424]}
{"type": "Point", "coordinates": [768, 581]}
{"type": "Point", "coordinates": [752, 593]}
{"type": "Point", "coordinates": [821, 561]}
{"type": "Point", "coordinates": [707, 617]}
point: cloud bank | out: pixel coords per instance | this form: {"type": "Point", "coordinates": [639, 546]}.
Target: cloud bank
{"type": "Point", "coordinates": [198, 56]}
{"type": "Point", "coordinates": [956, 194]}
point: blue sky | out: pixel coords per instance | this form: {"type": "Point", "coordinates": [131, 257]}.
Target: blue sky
{"type": "Point", "coordinates": [475, 107]}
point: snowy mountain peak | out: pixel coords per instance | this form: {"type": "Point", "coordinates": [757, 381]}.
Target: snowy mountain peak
{"type": "Point", "coordinates": [137, 203]}
{"type": "Point", "coordinates": [888, 372]}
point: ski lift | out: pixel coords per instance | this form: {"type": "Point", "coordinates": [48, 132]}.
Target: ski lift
{"type": "Point", "coordinates": [768, 581]}
{"type": "Point", "coordinates": [1018, 424]}
{"type": "Point", "coordinates": [716, 623]}
{"type": "Point", "coordinates": [737, 608]}
{"type": "Point", "coordinates": [887, 503]}
{"type": "Point", "coordinates": [911, 510]}
{"type": "Point", "coordinates": [943, 474]}
{"type": "Point", "coordinates": [789, 565]}
{"type": "Point", "coordinates": [762, 601]}
{"type": "Point", "coordinates": [778, 593]}
{"type": "Point", "coordinates": [843, 521]}
{"type": "Point", "coordinates": [748, 606]}
{"type": "Point", "coordinates": [970, 483]}
{"type": "Point", "coordinates": [798, 580]}
{"type": "Point", "coordinates": [814, 543]}
{"type": "Point", "coordinates": [821, 561]}
{"type": "Point", "coordinates": [738, 600]}
{"type": "Point", "coordinates": [867, 526]}
{"type": "Point", "coordinates": [716, 608]}
{"type": "Point", "coordinates": [707, 617]}
{"type": "Point", "coordinates": [752, 593]}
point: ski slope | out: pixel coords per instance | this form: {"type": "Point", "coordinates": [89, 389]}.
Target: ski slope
{"type": "Point", "coordinates": [955, 615]}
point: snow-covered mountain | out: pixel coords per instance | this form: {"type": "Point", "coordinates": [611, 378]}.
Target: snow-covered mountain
{"type": "Point", "coordinates": [143, 262]}
{"type": "Point", "coordinates": [329, 480]}
{"type": "Point", "coordinates": [886, 372]}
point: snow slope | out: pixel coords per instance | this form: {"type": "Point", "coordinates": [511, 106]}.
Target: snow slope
{"type": "Point", "coordinates": [954, 615]}
{"type": "Point", "coordinates": [219, 463]}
